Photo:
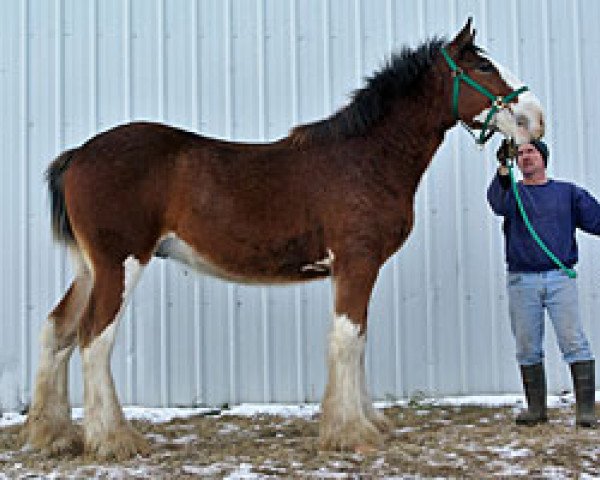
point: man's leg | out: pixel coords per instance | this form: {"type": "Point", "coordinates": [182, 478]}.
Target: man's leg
{"type": "Point", "coordinates": [563, 307]}
{"type": "Point", "coordinates": [527, 324]}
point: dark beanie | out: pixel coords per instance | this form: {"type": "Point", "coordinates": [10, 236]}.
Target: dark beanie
{"type": "Point", "coordinates": [543, 149]}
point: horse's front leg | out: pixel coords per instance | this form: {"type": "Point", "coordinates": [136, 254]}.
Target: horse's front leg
{"type": "Point", "coordinates": [349, 421]}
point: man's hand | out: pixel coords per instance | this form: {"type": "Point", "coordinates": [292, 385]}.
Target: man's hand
{"type": "Point", "coordinates": [503, 153]}
{"type": "Point", "coordinates": [507, 149]}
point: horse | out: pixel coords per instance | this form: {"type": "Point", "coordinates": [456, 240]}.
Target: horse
{"type": "Point", "coordinates": [333, 199]}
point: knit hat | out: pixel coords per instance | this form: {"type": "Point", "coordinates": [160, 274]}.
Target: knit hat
{"type": "Point", "coordinates": [543, 149]}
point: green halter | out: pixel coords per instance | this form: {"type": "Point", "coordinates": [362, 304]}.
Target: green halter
{"type": "Point", "coordinates": [498, 103]}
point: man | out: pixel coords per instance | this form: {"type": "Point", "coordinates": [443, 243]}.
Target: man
{"type": "Point", "coordinates": [536, 284]}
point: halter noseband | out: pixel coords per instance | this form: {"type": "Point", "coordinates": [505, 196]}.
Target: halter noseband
{"type": "Point", "coordinates": [498, 103]}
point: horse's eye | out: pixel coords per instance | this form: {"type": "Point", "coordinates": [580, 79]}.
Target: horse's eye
{"type": "Point", "coordinates": [485, 67]}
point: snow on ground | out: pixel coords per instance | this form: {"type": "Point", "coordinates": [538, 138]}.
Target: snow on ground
{"type": "Point", "coordinates": [164, 415]}
{"type": "Point", "coordinates": [441, 437]}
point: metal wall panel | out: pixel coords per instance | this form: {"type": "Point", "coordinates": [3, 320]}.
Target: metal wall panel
{"type": "Point", "coordinates": [249, 70]}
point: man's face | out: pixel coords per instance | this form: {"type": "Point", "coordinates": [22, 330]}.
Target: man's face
{"type": "Point", "coordinates": [529, 160]}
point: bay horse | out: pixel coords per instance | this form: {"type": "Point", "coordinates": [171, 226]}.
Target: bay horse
{"type": "Point", "coordinates": [332, 199]}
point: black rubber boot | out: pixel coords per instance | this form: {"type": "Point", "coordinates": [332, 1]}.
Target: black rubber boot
{"type": "Point", "coordinates": [534, 384]}
{"type": "Point", "coordinates": [584, 383]}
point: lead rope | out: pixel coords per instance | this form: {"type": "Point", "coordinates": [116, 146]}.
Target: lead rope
{"type": "Point", "coordinates": [570, 272]}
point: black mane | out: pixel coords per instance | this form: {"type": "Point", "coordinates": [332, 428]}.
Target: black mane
{"type": "Point", "coordinates": [397, 78]}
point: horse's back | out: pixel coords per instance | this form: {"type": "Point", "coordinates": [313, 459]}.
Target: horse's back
{"type": "Point", "coordinates": [243, 209]}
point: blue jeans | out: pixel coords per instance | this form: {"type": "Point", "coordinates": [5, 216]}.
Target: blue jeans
{"type": "Point", "coordinates": [529, 295]}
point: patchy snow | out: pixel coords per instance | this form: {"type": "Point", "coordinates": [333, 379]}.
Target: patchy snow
{"type": "Point", "coordinates": [228, 428]}
{"type": "Point", "coordinates": [8, 419]}
{"type": "Point", "coordinates": [163, 415]}
{"type": "Point", "coordinates": [506, 457]}
{"type": "Point", "coordinates": [509, 451]}
{"type": "Point", "coordinates": [185, 439]}
{"type": "Point", "coordinates": [244, 471]}
{"type": "Point", "coordinates": [157, 438]}
{"type": "Point", "coordinates": [252, 409]}
{"type": "Point", "coordinates": [205, 471]}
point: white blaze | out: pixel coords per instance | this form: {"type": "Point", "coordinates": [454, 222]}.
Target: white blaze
{"type": "Point", "coordinates": [524, 119]}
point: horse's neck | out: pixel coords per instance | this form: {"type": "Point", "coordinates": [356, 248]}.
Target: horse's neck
{"type": "Point", "coordinates": [411, 136]}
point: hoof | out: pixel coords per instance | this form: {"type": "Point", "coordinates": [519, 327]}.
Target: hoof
{"type": "Point", "coordinates": [121, 444]}
{"type": "Point", "coordinates": [360, 436]}
{"type": "Point", "coordinates": [53, 438]}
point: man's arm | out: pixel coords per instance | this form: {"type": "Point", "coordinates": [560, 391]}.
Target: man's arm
{"type": "Point", "coordinates": [498, 194]}
{"type": "Point", "coordinates": [498, 191]}
{"type": "Point", "coordinates": [587, 211]}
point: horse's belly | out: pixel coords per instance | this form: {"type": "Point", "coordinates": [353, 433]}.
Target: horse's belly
{"type": "Point", "coordinates": [171, 246]}
{"type": "Point", "coordinates": [253, 270]}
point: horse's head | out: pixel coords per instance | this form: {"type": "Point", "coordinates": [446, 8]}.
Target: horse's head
{"type": "Point", "coordinates": [486, 96]}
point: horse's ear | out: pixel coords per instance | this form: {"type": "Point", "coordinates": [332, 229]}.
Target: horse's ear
{"type": "Point", "coordinates": [464, 37]}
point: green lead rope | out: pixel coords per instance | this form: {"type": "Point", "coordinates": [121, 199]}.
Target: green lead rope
{"type": "Point", "coordinates": [570, 272]}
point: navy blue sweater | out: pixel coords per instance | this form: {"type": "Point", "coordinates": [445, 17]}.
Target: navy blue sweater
{"type": "Point", "coordinates": [555, 210]}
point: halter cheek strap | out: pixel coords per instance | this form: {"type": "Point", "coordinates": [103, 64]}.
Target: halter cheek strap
{"type": "Point", "coordinates": [497, 103]}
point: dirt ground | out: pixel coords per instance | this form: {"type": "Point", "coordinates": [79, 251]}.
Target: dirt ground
{"type": "Point", "coordinates": [426, 441]}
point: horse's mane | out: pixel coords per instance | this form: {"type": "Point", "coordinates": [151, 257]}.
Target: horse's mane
{"type": "Point", "coordinates": [397, 78]}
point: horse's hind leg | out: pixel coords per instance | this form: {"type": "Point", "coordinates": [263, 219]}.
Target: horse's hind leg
{"type": "Point", "coordinates": [49, 426]}
{"type": "Point", "coordinates": [348, 419]}
{"type": "Point", "coordinates": [107, 434]}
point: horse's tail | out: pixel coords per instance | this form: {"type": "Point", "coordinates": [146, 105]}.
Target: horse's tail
{"type": "Point", "coordinates": [61, 225]}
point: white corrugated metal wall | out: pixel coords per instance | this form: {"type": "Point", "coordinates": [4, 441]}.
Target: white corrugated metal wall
{"type": "Point", "coordinates": [249, 70]}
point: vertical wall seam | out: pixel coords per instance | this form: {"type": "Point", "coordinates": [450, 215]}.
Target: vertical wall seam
{"type": "Point", "coordinates": [579, 104]}
{"type": "Point", "coordinates": [459, 213]}
{"type": "Point", "coordinates": [59, 252]}
{"type": "Point", "coordinates": [93, 57]}
{"type": "Point", "coordinates": [127, 54]}
{"type": "Point", "coordinates": [556, 368]}
{"type": "Point", "coordinates": [164, 297]}
{"type": "Point", "coordinates": [198, 280]}
{"type": "Point", "coordinates": [327, 79]}
{"type": "Point", "coordinates": [294, 61]}
{"type": "Point", "coordinates": [300, 349]}
{"type": "Point", "coordinates": [358, 43]}
{"type": "Point", "coordinates": [516, 37]}
{"type": "Point", "coordinates": [228, 71]}
{"type": "Point", "coordinates": [398, 324]}
{"type": "Point", "coordinates": [131, 354]}
{"type": "Point", "coordinates": [580, 111]}
{"type": "Point", "coordinates": [492, 273]}
{"type": "Point", "coordinates": [430, 288]}
{"type": "Point", "coordinates": [229, 132]}
{"type": "Point", "coordinates": [298, 289]}
{"type": "Point", "coordinates": [25, 308]}
{"type": "Point", "coordinates": [262, 132]}
{"type": "Point", "coordinates": [132, 392]}
{"type": "Point", "coordinates": [260, 70]}
{"type": "Point", "coordinates": [390, 12]}
{"type": "Point", "coordinates": [131, 348]}
{"type": "Point", "coordinates": [199, 340]}
{"type": "Point", "coordinates": [547, 69]}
